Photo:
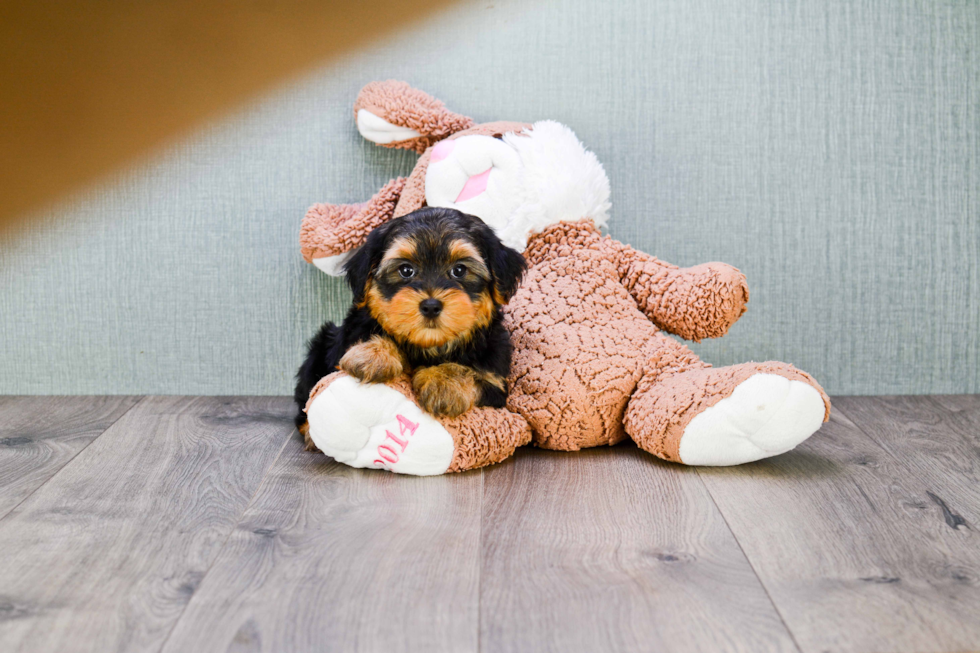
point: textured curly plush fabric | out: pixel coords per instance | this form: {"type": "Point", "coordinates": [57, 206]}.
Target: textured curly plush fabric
{"type": "Point", "coordinates": [580, 338]}
{"type": "Point", "coordinates": [402, 105]}
{"type": "Point", "coordinates": [485, 436]}
{"type": "Point", "coordinates": [333, 229]}
{"type": "Point", "coordinates": [587, 359]}
{"type": "Point", "coordinates": [699, 302]}
{"type": "Point", "coordinates": [577, 335]}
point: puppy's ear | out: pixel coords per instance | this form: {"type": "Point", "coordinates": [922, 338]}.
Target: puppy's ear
{"type": "Point", "coordinates": [363, 261]}
{"type": "Point", "coordinates": [507, 266]}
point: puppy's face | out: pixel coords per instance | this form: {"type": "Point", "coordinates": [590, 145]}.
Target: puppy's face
{"type": "Point", "coordinates": [435, 276]}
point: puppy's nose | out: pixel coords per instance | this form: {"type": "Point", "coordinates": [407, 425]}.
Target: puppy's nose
{"type": "Point", "coordinates": [430, 307]}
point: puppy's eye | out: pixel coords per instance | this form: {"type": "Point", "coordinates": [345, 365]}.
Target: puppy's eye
{"type": "Point", "coordinates": [458, 271]}
{"type": "Point", "coordinates": [406, 271]}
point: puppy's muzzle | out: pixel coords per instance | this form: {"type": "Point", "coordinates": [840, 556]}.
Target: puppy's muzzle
{"type": "Point", "coordinates": [430, 308]}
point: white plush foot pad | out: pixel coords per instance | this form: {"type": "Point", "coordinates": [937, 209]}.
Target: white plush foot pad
{"type": "Point", "coordinates": [374, 426]}
{"type": "Point", "coordinates": [766, 415]}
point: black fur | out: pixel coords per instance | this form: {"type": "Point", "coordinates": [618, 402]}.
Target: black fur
{"type": "Point", "coordinates": [508, 268]}
{"type": "Point", "coordinates": [489, 348]}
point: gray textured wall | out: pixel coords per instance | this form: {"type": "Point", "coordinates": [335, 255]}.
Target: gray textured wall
{"type": "Point", "coordinates": [828, 149]}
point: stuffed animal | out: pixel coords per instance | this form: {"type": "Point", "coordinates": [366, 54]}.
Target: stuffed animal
{"type": "Point", "coordinates": [592, 364]}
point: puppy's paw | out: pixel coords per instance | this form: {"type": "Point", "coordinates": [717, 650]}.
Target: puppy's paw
{"type": "Point", "coordinates": [376, 361]}
{"type": "Point", "coordinates": [445, 390]}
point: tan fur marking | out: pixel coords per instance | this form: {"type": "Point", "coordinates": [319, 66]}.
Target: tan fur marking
{"type": "Point", "coordinates": [458, 316]}
{"type": "Point", "coordinates": [368, 289]}
{"type": "Point", "coordinates": [403, 248]}
{"type": "Point", "coordinates": [446, 390]}
{"type": "Point", "coordinates": [484, 310]}
{"type": "Point", "coordinates": [460, 249]}
{"type": "Point", "coordinates": [400, 317]}
{"type": "Point", "coordinates": [463, 251]}
{"type": "Point", "coordinates": [376, 361]}
{"type": "Point", "coordinates": [492, 379]}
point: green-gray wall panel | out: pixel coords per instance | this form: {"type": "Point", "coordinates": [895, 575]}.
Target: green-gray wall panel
{"type": "Point", "coordinates": [828, 149]}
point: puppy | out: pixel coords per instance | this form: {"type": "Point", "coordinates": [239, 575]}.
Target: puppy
{"type": "Point", "coordinates": [428, 288]}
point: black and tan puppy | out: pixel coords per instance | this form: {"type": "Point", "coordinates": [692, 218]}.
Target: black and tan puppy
{"type": "Point", "coordinates": [428, 288]}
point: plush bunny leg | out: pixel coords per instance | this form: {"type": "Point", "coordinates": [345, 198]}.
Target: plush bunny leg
{"type": "Point", "coordinates": [698, 415]}
{"type": "Point", "coordinates": [381, 427]}
{"type": "Point", "coordinates": [330, 231]}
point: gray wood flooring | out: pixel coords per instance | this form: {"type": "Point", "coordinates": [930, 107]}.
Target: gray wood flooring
{"type": "Point", "coordinates": [187, 524]}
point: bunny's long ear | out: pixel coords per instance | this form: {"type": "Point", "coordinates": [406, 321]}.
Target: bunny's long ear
{"type": "Point", "coordinates": [393, 114]}
{"type": "Point", "coordinates": [331, 231]}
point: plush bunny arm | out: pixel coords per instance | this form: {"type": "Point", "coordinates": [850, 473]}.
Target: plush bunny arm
{"type": "Point", "coordinates": [330, 231]}
{"type": "Point", "coordinates": [699, 302]}
{"type": "Point", "coordinates": [393, 114]}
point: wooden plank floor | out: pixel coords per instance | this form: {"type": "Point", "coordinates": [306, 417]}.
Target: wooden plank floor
{"type": "Point", "coordinates": [200, 524]}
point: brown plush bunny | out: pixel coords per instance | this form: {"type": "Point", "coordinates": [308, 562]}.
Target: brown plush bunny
{"type": "Point", "coordinates": [591, 364]}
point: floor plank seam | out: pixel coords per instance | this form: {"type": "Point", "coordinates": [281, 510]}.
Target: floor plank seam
{"type": "Point", "coordinates": [762, 584]}
{"type": "Point", "coordinates": [231, 531]}
{"type": "Point", "coordinates": [69, 461]}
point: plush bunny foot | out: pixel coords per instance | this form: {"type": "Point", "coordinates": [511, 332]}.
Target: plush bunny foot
{"type": "Point", "coordinates": [727, 416]}
{"type": "Point", "coordinates": [382, 427]}
{"type": "Point", "coordinates": [766, 415]}
{"type": "Point", "coordinates": [376, 426]}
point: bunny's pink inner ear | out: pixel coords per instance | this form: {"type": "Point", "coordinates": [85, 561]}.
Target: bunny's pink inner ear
{"type": "Point", "coordinates": [393, 114]}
